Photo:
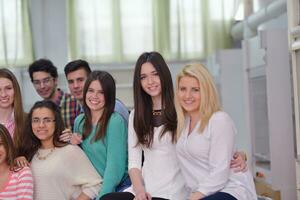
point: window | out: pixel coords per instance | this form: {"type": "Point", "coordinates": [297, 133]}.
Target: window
{"type": "Point", "coordinates": [15, 36]}
{"type": "Point", "coordinates": [120, 30]}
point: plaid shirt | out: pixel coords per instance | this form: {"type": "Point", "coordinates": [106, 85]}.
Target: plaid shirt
{"type": "Point", "coordinates": [69, 108]}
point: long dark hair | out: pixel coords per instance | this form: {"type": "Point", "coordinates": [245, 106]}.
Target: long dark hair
{"type": "Point", "coordinates": [143, 122]}
{"type": "Point", "coordinates": [30, 143]}
{"type": "Point", "coordinates": [19, 115]}
{"type": "Point", "coordinates": [109, 89]}
{"type": "Point", "coordinates": [8, 146]}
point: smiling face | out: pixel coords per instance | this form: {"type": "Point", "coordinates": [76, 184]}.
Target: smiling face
{"type": "Point", "coordinates": [44, 84]}
{"type": "Point", "coordinates": [6, 93]}
{"type": "Point", "coordinates": [150, 81]}
{"type": "Point", "coordinates": [76, 80]}
{"type": "Point", "coordinates": [189, 94]}
{"type": "Point", "coordinates": [95, 99]}
{"type": "Point", "coordinates": [43, 126]}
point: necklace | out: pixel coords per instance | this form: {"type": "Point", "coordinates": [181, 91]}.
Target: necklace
{"type": "Point", "coordinates": [156, 112]}
{"type": "Point", "coordinates": [45, 156]}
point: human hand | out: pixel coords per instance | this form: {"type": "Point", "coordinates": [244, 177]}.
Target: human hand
{"type": "Point", "coordinates": [72, 138]}
{"type": "Point", "coordinates": [76, 139]}
{"type": "Point", "coordinates": [196, 196]}
{"type": "Point", "coordinates": [65, 135]}
{"type": "Point", "coordinates": [21, 162]}
{"type": "Point", "coordinates": [142, 195]}
{"type": "Point", "coordinates": [238, 163]}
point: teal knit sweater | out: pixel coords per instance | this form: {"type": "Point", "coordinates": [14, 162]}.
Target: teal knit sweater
{"type": "Point", "coordinates": [108, 155]}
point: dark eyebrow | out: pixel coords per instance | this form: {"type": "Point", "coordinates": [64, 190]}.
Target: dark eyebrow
{"type": "Point", "coordinates": [41, 118]}
{"type": "Point", "coordinates": [42, 79]}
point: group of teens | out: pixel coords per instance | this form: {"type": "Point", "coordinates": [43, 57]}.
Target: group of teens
{"type": "Point", "coordinates": [82, 145]}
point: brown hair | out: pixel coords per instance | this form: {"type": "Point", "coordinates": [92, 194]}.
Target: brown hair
{"type": "Point", "coordinates": [7, 142]}
{"type": "Point", "coordinates": [30, 143]}
{"type": "Point", "coordinates": [18, 105]}
{"type": "Point", "coordinates": [143, 122]}
{"type": "Point", "coordinates": [109, 89]}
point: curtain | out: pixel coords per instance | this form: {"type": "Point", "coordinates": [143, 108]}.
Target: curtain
{"type": "Point", "coordinates": [120, 30]}
{"type": "Point", "coordinates": [15, 34]}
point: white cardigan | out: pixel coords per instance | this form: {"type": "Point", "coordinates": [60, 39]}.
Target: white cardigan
{"type": "Point", "coordinates": [205, 159]}
{"type": "Point", "coordinates": [160, 171]}
{"type": "Point", "coordinates": [64, 174]}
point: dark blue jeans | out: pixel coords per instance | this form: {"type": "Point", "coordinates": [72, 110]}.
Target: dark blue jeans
{"type": "Point", "coordinates": [123, 196]}
{"type": "Point", "coordinates": [219, 196]}
{"type": "Point", "coordinates": [123, 185]}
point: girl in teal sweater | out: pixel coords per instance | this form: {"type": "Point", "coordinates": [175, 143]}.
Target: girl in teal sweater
{"type": "Point", "coordinates": [102, 132]}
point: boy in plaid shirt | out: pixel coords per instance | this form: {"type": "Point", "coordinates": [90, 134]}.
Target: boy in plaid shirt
{"type": "Point", "coordinates": [43, 75]}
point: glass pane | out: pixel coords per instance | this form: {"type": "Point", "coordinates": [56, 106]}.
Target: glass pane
{"type": "Point", "coordinates": [12, 44]}
{"type": "Point", "coordinates": [186, 25]}
{"type": "Point", "coordinates": [137, 29]}
{"type": "Point", "coordinates": [94, 28]}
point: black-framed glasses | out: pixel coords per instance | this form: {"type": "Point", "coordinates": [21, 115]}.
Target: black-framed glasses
{"type": "Point", "coordinates": [43, 120]}
{"type": "Point", "coordinates": [45, 81]}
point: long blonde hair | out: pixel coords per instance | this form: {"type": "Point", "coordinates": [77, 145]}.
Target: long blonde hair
{"type": "Point", "coordinates": [209, 100]}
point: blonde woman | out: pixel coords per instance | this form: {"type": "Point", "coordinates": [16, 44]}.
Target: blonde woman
{"type": "Point", "coordinates": [206, 138]}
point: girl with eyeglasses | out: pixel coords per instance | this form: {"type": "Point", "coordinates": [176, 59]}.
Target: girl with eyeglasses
{"type": "Point", "coordinates": [60, 170]}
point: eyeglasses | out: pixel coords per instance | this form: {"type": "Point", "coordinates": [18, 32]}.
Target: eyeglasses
{"type": "Point", "coordinates": [46, 121]}
{"type": "Point", "coordinates": [45, 81]}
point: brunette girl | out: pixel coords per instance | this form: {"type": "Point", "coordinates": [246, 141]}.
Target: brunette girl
{"type": "Point", "coordinates": [11, 107]}
{"type": "Point", "coordinates": [15, 183]}
{"type": "Point", "coordinates": [60, 170]}
{"type": "Point", "coordinates": [103, 132]}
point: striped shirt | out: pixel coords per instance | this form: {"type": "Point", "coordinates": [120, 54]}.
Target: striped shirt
{"type": "Point", "coordinates": [19, 186]}
{"type": "Point", "coordinates": [10, 125]}
{"type": "Point", "coordinates": [69, 108]}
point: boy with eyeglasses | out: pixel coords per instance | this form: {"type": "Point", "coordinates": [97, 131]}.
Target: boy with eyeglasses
{"type": "Point", "coordinates": [43, 75]}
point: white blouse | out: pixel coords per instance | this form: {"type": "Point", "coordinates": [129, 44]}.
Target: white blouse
{"type": "Point", "coordinates": [160, 171]}
{"type": "Point", "coordinates": [205, 159]}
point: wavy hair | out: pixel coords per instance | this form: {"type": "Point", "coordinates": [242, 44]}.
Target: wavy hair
{"type": "Point", "coordinates": [209, 99]}
{"type": "Point", "coordinates": [30, 143]}
{"type": "Point", "coordinates": [7, 142]}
